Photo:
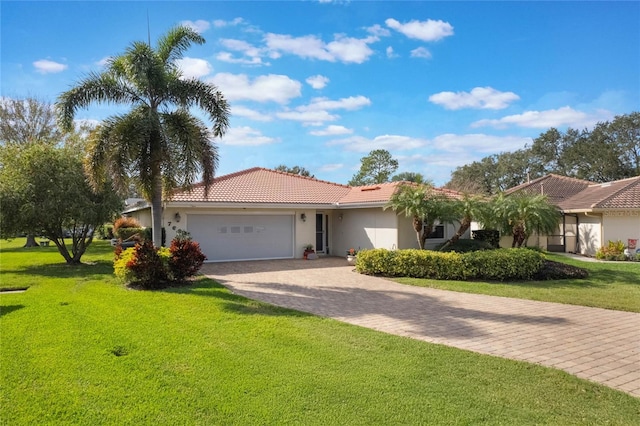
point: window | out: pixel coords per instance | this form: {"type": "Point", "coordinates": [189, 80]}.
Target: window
{"type": "Point", "coordinates": [437, 233]}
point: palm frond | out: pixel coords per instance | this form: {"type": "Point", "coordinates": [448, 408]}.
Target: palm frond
{"type": "Point", "coordinates": [175, 42]}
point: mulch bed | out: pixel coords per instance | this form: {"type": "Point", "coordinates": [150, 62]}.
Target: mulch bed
{"type": "Point", "coordinates": [558, 271]}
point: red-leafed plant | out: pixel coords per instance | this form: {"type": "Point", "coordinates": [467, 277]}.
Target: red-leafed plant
{"type": "Point", "coordinates": [186, 257]}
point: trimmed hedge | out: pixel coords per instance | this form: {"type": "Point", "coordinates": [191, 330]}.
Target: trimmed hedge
{"type": "Point", "coordinates": [500, 264]}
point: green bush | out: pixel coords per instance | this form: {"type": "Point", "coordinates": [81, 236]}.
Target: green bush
{"type": "Point", "coordinates": [491, 236]}
{"type": "Point", "coordinates": [465, 246]}
{"type": "Point", "coordinates": [105, 232]}
{"type": "Point", "coordinates": [126, 234]}
{"type": "Point", "coordinates": [501, 264]}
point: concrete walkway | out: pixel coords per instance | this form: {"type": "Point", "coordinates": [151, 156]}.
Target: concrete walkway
{"type": "Point", "coordinates": [596, 344]}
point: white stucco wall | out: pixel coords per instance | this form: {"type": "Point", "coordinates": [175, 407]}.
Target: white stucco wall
{"type": "Point", "coordinates": [620, 225]}
{"type": "Point", "coordinates": [363, 229]}
{"type": "Point", "coordinates": [589, 234]}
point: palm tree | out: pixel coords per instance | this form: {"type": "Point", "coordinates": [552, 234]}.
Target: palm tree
{"type": "Point", "coordinates": [423, 205]}
{"type": "Point", "coordinates": [158, 142]}
{"type": "Point", "coordinates": [522, 214]}
{"type": "Point", "coordinates": [467, 209]}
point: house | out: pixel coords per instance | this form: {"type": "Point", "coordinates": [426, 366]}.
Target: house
{"type": "Point", "coordinates": [592, 213]}
{"type": "Point", "coordinates": [260, 213]}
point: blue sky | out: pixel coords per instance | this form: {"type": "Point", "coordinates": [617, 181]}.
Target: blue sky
{"type": "Point", "coordinates": [320, 84]}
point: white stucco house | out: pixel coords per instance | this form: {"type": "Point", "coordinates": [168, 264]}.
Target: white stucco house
{"type": "Point", "coordinates": [260, 213]}
{"type": "Point", "coordinates": [592, 213]}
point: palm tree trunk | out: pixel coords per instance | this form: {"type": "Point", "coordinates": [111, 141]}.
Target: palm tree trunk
{"type": "Point", "coordinates": [417, 226]}
{"type": "Point", "coordinates": [464, 227]}
{"type": "Point", "coordinates": [156, 210]}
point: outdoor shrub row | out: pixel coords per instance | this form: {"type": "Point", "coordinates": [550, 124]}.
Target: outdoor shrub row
{"type": "Point", "coordinates": [500, 264]}
{"type": "Point", "coordinates": [150, 267]}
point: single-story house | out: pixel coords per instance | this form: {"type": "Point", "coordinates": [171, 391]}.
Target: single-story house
{"type": "Point", "coordinates": [592, 213]}
{"type": "Point", "coordinates": [260, 213]}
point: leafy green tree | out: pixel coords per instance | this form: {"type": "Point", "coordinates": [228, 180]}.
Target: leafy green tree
{"type": "Point", "coordinates": [521, 214]}
{"type": "Point", "coordinates": [44, 187]}
{"type": "Point", "coordinates": [377, 167]}
{"type": "Point", "coordinates": [29, 120]}
{"type": "Point", "coordinates": [295, 170]}
{"type": "Point", "coordinates": [158, 140]}
{"type": "Point", "coordinates": [409, 177]}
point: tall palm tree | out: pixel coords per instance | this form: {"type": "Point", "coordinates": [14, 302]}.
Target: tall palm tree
{"type": "Point", "coordinates": [423, 205]}
{"type": "Point", "coordinates": [467, 209]}
{"type": "Point", "coordinates": [520, 215]}
{"type": "Point", "coordinates": [158, 142]}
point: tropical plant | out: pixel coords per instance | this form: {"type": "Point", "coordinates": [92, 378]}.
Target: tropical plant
{"type": "Point", "coordinates": [466, 210]}
{"type": "Point", "coordinates": [520, 215]}
{"type": "Point", "coordinates": [158, 140]}
{"type": "Point", "coordinates": [423, 205]}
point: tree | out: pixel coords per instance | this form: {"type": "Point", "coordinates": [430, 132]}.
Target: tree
{"type": "Point", "coordinates": [44, 187]}
{"type": "Point", "coordinates": [295, 170]}
{"type": "Point", "coordinates": [466, 210]}
{"type": "Point", "coordinates": [423, 205]}
{"type": "Point", "coordinates": [409, 177]}
{"type": "Point", "coordinates": [28, 120]}
{"type": "Point", "coordinates": [158, 140]}
{"type": "Point", "coordinates": [376, 167]}
{"type": "Point", "coordinates": [521, 214]}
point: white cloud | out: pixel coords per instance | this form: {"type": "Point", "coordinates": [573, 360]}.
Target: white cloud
{"type": "Point", "coordinates": [219, 23]}
{"type": "Point", "coordinates": [245, 136]}
{"type": "Point", "coordinates": [421, 52]}
{"type": "Point", "coordinates": [428, 30]}
{"type": "Point", "coordinates": [477, 142]}
{"type": "Point", "coordinates": [565, 116]}
{"type": "Point", "coordinates": [198, 26]}
{"type": "Point", "coordinates": [331, 167]}
{"type": "Point", "coordinates": [45, 66]}
{"type": "Point", "coordinates": [388, 142]}
{"type": "Point", "coordinates": [378, 31]}
{"type": "Point", "coordinates": [390, 53]}
{"type": "Point", "coordinates": [265, 88]}
{"type": "Point", "coordinates": [342, 48]}
{"type": "Point", "coordinates": [351, 103]}
{"type": "Point", "coordinates": [332, 130]}
{"type": "Point", "coordinates": [104, 61]}
{"type": "Point", "coordinates": [228, 57]}
{"type": "Point", "coordinates": [194, 67]}
{"type": "Point", "coordinates": [478, 98]}
{"type": "Point", "coordinates": [241, 111]}
{"type": "Point", "coordinates": [317, 81]}
{"type": "Point", "coordinates": [309, 117]}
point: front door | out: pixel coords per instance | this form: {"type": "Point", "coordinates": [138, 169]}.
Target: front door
{"type": "Point", "coordinates": [322, 236]}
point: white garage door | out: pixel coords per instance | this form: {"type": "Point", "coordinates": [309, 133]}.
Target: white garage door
{"type": "Point", "coordinates": [243, 237]}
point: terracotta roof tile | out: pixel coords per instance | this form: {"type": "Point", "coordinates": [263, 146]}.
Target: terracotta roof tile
{"type": "Point", "coordinates": [557, 188]}
{"type": "Point", "coordinates": [620, 194]}
{"type": "Point", "coordinates": [259, 185]}
{"type": "Point", "coordinates": [382, 192]}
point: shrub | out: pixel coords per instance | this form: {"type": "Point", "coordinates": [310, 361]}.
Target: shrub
{"type": "Point", "coordinates": [126, 234]}
{"type": "Point", "coordinates": [149, 266]}
{"type": "Point", "coordinates": [491, 236]}
{"type": "Point", "coordinates": [465, 246]}
{"type": "Point", "coordinates": [105, 232]}
{"type": "Point", "coordinates": [147, 234]}
{"type": "Point", "coordinates": [122, 259]}
{"type": "Point", "coordinates": [501, 264]}
{"type": "Point", "coordinates": [614, 250]}
{"type": "Point", "coordinates": [125, 222]}
{"type": "Point", "coordinates": [186, 257]}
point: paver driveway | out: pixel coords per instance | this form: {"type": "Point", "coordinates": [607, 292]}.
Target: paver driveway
{"type": "Point", "coordinates": [596, 344]}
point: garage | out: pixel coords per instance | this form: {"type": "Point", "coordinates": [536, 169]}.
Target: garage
{"type": "Point", "coordinates": [243, 237]}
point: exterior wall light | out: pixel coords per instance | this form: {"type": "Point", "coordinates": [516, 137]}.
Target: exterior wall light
{"type": "Point", "coordinates": [303, 217]}
{"type": "Point", "coordinates": [177, 217]}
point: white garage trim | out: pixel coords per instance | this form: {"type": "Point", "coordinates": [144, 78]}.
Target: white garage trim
{"type": "Point", "coordinates": [247, 236]}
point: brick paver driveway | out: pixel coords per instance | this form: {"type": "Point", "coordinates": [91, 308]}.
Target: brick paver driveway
{"type": "Point", "coordinates": [596, 344]}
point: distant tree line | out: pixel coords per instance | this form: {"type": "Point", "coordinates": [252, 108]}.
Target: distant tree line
{"type": "Point", "coordinates": [609, 151]}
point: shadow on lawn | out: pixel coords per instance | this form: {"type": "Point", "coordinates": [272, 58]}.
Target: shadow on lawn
{"type": "Point", "coordinates": [206, 287]}
{"type": "Point", "coordinates": [4, 310]}
{"type": "Point", "coordinates": [92, 270]}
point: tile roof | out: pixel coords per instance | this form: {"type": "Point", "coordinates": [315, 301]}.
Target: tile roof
{"type": "Point", "coordinates": [619, 194]}
{"type": "Point", "coordinates": [557, 188]}
{"type": "Point", "coordinates": [264, 186]}
{"type": "Point", "coordinates": [259, 185]}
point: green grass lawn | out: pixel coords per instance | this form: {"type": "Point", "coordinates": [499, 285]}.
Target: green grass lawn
{"type": "Point", "coordinates": [609, 285]}
{"type": "Point", "coordinates": [79, 348]}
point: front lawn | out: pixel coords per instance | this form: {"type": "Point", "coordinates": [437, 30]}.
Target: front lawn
{"type": "Point", "coordinates": [609, 285]}
{"type": "Point", "coordinates": [79, 348]}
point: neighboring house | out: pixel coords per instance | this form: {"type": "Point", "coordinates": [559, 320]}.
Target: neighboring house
{"type": "Point", "coordinates": [592, 213]}
{"type": "Point", "coordinates": [266, 214]}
